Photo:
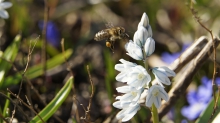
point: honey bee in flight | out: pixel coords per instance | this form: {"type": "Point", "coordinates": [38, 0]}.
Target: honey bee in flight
{"type": "Point", "coordinates": [111, 35]}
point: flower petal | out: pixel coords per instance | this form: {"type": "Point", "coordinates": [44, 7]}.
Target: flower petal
{"type": "Point", "coordinates": [122, 77]}
{"type": "Point", "coordinates": [124, 89]}
{"type": "Point", "coordinates": [149, 30]}
{"type": "Point", "coordinates": [5, 5]}
{"type": "Point", "coordinates": [4, 14]}
{"type": "Point", "coordinates": [157, 102]}
{"type": "Point", "coordinates": [117, 104]}
{"type": "Point", "coordinates": [167, 71]}
{"type": "Point", "coordinates": [163, 94]}
{"type": "Point", "coordinates": [161, 77]}
{"type": "Point", "coordinates": [149, 100]}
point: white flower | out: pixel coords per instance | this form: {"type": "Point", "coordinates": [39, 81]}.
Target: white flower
{"type": "Point", "coordinates": [3, 6]}
{"type": "Point", "coordinates": [162, 74]}
{"type": "Point", "coordinates": [155, 94]}
{"type": "Point", "coordinates": [149, 46]}
{"type": "Point", "coordinates": [131, 94]}
{"type": "Point", "coordinates": [127, 113]}
{"type": "Point", "coordinates": [140, 36]}
{"type": "Point", "coordinates": [124, 69]}
{"type": "Point", "coordinates": [144, 21]}
{"type": "Point", "coordinates": [138, 77]}
{"type": "Point", "coordinates": [134, 50]}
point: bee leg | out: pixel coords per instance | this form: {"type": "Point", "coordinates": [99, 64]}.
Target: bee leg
{"type": "Point", "coordinates": [112, 46]}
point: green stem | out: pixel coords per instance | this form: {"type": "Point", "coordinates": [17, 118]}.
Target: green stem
{"type": "Point", "coordinates": [145, 61]}
{"type": "Point", "coordinates": [154, 114]}
{"type": "Point", "coordinates": [154, 109]}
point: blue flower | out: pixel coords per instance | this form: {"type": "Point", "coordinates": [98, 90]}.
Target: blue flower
{"type": "Point", "coordinates": [198, 100]}
{"type": "Point", "coordinates": [169, 58]}
{"type": "Point", "coordinates": [53, 35]}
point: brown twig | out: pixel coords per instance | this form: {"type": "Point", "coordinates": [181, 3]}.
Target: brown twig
{"type": "Point", "coordinates": [44, 39]}
{"type": "Point", "coordinates": [32, 87]}
{"type": "Point", "coordinates": [20, 88]}
{"type": "Point", "coordinates": [184, 81]}
{"type": "Point", "coordinates": [26, 105]}
{"type": "Point", "coordinates": [18, 107]}
{"type": "Point", "coordinates": [87, 112]}
{"type": "Point", "coordinates": [28, 81]}
{"type": "Point", "coordinates": [194, 13]}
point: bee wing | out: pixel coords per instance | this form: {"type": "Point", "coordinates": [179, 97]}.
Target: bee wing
{"type": "Point", "coordinates": [109, 25]}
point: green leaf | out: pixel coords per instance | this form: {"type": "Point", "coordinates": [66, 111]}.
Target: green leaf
{"type": "Point", "coordinates": [52, 107]}
{"type": "Point", "coordinates": [206, 114]}
{"type": "Point", "coordinates": [9, 55]}
{"type": "Point", "coordinates": [52, 51]}
{"type": "Point", "coordinates": [36, 70]}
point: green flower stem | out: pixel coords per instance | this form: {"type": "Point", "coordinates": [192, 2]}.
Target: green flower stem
{"type": "Point", "coordinates": [154, 109]}
{"type": "Point", "coordinates": [154, 114]}
{"type": "Point", "coordinates": [145, 61]}
{"type": "Point", "coordinates": [146, 65]}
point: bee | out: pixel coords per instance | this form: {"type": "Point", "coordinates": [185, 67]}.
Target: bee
{"type": "Point", "coordinates": [111, 35]}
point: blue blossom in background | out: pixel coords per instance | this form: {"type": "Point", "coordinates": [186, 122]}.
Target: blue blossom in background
{"type": "Point", "coordinates": [53, 35]}
{"type": "Point", "coordinates": [217, 81]}
{"type": "Point", "coordinates": [198, 99]}
{"type": "Point", "coordinates": [169, 58]}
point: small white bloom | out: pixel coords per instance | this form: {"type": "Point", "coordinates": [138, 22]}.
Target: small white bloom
{"type": "Point", "coordinates": [124, 69]}
{"type": "Point", "coordinates": [131, 94]}
{"type": "Point", "coordinates": [144, 21]}
{"type": "Point", "coordinates": [155, 94]}
{"type": "Point", "coordinates": [3, 6]}
{"type": "Point", "coordinates": [127, 113]}
{"type": "Point", "coordinates": [140, 36]}
{"type": "Point", "coordinates": [134, 50]}
{"type": "Point", "coordinates": [138, 77]}
{"type": "Point", "coordinates": [162, 74]}
{"type": "Point", "coordinates": [149, 46]}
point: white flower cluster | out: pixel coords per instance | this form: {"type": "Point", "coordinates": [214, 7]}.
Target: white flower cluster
{"type": "Point", "coordinates": [137, 77]}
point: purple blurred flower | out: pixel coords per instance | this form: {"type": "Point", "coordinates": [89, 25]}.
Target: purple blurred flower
{"type": "Point", "coordinates": [169, 58]}
{"type": "Point", "coordinates": [184, 121]}
{"type": "Point", "coordinates": [53, 35]}
{"type": "Point", "coordinates": [217, 81]}
{"type": "Point", "coordinates": [198, 100]}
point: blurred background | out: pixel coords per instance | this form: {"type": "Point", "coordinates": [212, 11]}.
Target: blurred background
{"type": "Point", "coordinates": [77, 22]}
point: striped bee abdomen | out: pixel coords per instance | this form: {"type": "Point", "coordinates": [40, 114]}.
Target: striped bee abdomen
{"type": "Point", "coordinates": [102, 35]}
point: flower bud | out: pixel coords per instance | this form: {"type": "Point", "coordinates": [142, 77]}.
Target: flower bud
{"type": "Point", "coordinates": [141, 36]}
{"type": "Point", "coordinates": [144, 21]}
{"type": "Point", "coordinates": [149, 46]}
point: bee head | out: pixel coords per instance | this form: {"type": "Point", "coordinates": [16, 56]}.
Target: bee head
{"type": "Point", "coordinates": [121, 32]}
